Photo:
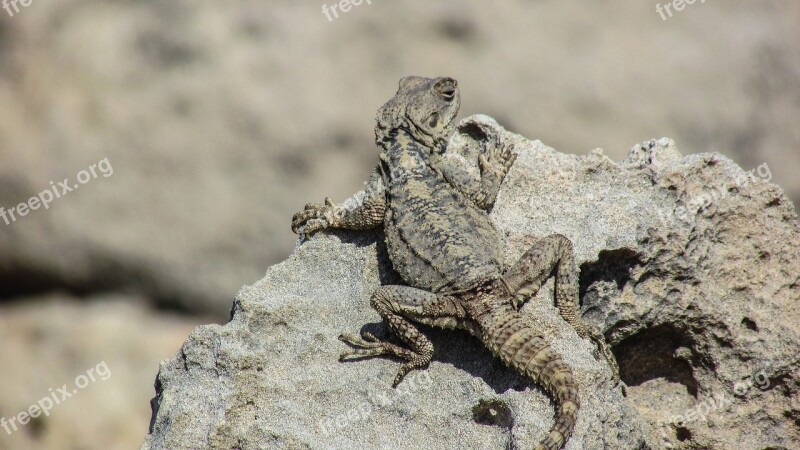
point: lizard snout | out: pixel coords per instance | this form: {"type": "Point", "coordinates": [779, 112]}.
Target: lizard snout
{"type": "Point", "coordinates": [447, 87]}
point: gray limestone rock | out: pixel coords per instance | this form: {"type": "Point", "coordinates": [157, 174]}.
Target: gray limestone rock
{"type": "Point", "coordinates": [690, 266]}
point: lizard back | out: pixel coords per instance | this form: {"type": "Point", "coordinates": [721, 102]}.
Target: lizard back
{"type": "Point", "coordinates": [437, 239]}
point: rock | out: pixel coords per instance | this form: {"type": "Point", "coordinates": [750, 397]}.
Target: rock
{"type": "Point", "coordinates": [688, 264]}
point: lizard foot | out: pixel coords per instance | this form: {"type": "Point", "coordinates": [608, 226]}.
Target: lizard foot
{"type": "Point", "coordinates": [367, 346]}
{"type": "Point", "coordinates": [498, 157]}
{"type": "Point", "coordinates": [314, 217]}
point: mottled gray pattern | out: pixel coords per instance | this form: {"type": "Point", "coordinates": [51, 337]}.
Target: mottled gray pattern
{"type": "Point", "coordinates": [438, 239]}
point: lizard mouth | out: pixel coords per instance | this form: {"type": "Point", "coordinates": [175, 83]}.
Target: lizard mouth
{"type": "Point", "coordinates": [447, 88]}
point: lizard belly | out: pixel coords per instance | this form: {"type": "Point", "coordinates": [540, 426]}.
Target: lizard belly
{"type": "Point", "coordinates": [437, 239]}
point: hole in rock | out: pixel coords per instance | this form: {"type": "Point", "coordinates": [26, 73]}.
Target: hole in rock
{"type": "Point", "coordinates": [659, 384]}
{"type": "Point", "coordinates": [749, 323]}
{"type": "Point", "coordinates": [650, 355]}
{"type": "Point", "coordinates": [493, 412]}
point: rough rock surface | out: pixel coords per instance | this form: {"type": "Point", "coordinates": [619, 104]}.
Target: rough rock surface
{"type": "Point", "coordinates": [688, 264]}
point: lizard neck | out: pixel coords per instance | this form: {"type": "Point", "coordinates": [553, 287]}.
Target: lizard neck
{"type": "Point", "coordinates": [405, 157]}
{"type": "Point", "coordinates": [401, 139]}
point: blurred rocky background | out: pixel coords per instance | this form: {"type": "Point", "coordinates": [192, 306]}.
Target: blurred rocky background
{"type": "Point", "coordinates": [220, 119]}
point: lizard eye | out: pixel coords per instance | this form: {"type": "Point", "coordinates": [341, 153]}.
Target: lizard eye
{"type": "Point", "coordinates": [433, 121]}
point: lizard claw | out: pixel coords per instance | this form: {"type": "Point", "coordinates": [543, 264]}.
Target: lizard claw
{"type": "Point", "coordinates": [417, 362]}
{"type": "Point", "coordinates": [498, 157]}
{"type": "Point", "coordinates": [365, 345]}
{"type": "Point", "coordinates": [314, 225]}
{"type": "Point", "coordinates": [507, 155]}
{"type": "Point", "coordinates": [314, 217]}
{"type": "Point", "coordinates": [404, 369]}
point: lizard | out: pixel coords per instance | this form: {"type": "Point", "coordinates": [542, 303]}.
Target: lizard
{"type": "Point", "coordinates": [442, 243]}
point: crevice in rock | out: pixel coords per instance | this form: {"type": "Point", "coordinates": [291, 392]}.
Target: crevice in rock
{"type": "Point", "coordinates": [782, 383]}
{"type": "Point", "coordinates": [473, 130]}
{"type": "Point", "coordinates": [155, 404]}
{"type": "Point", "coordinates": [750, 324]}
{"type": "Point", "coordinates": [612, 266]}
{"type": "Point", "coordinates": [650, 355]}
{"type": "Point", "coordinates": [683, 434]}
{"type": "Point", "coordinates": [794, 416]}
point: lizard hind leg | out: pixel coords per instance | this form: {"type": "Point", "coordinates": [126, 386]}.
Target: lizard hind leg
{"type": "Point", "coordinates": [555, 253]}
{"type": "Point", "coordinates": [398, 305]}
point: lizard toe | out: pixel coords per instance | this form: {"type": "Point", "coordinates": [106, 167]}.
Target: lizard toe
{"type": "Point", "coordinates": [418, 362]}
{"type": "Point", "coordinates": [360, 353]}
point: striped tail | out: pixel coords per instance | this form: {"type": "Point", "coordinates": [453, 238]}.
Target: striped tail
{"type": "Point", "coordinates": [512, 338]}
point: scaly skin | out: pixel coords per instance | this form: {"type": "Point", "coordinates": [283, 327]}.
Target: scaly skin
{"type": "Point", "coordinates": [443, 244]}
{"type": "Point", "coordinates": [512, 337]}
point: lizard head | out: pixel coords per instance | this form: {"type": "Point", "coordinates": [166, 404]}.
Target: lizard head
{"type": "Point", "coordinates": [426, 108]}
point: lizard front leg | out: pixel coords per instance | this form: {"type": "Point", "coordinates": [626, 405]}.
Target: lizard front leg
{"type": "Point", "coordinates": [494, 164]}
{"type": "Point", "coordinates": [398, 306]}
{"type": "Point", "coordinates": [529, 273]}
{"type": "Point", "coordinates": [362, 211]}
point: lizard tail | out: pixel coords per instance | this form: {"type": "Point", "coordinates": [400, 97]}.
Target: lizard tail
{"type": "Point", "coordinates": [513, 339]}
